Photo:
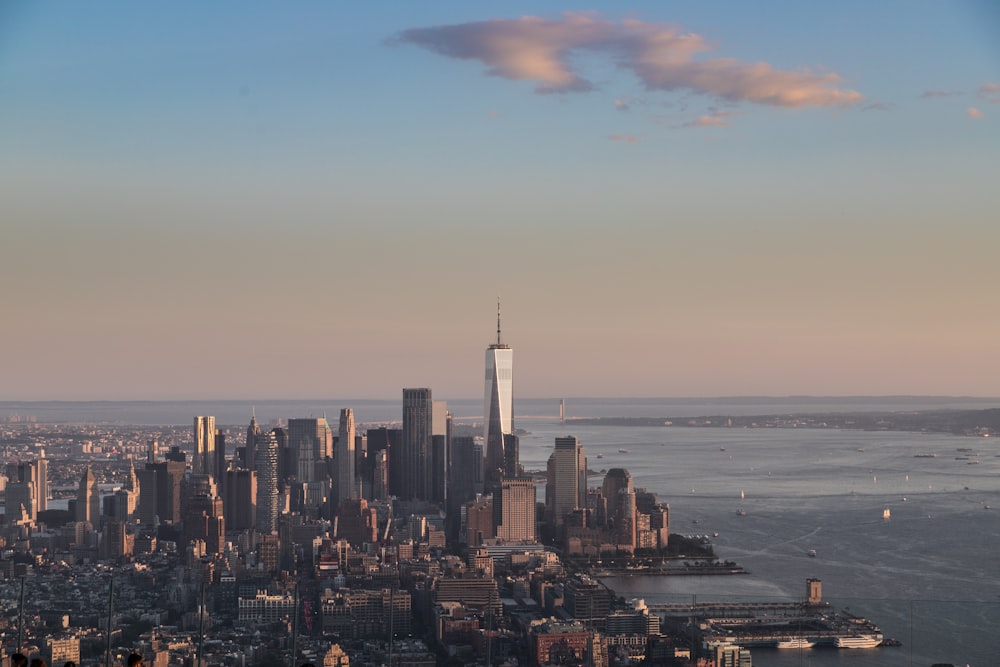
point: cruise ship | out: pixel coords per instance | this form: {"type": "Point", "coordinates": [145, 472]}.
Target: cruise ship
{"type": "Point", "coordinates": [796, 642]}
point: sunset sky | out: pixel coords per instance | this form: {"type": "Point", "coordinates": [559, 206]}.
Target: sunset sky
{"type": "Point", "coordinates": [309, 199]}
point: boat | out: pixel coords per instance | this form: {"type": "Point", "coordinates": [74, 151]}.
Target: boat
{"type": "Point", "coordinates": [858, 641]}
{"type": "Point", "coordinates": [795, 642]}
{"type": "Point", "coordinates": [622, 450]}
{"type": "Point", "coordinates": [741, 512]}
{"type": "Point", "coordinates": [886, 514]}
{"type": "Point", "coordinates": [600, 456]}
{"type": "Point", "coordinates": [812, 553]}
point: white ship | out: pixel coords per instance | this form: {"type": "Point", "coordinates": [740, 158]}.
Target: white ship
{"type": "Point", "coordinates": [796, 642]}
{"type": "Point", "coordinates": [858, 641]}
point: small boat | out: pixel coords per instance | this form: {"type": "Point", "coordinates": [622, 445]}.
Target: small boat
{"type": "Point", "coordinates": [600, 456]}
{"type": "Point", "coordinates": [622, 450]}
{"type": "Point", "coordinates": [741, 512]}
{"type": "Point", "coordinates": [886, 514]}
{"type": "Point", "coordinates": [812, 553]}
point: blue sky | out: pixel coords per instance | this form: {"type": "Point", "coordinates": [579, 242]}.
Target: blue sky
{"type": "Point", "coordinates": [246, 200]}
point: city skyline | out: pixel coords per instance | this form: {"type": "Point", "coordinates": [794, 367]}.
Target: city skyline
{"type": "Point", "coordinates": [671, 201]}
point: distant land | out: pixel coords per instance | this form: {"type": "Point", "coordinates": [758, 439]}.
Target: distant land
{"type": "Point", "coordinates": [959, 422]}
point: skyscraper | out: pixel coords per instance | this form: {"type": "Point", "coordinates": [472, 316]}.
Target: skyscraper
{"type": "Point", "coordinates": [253, 432]}
{"type": "Point", "coordinates": [311, 443]}
{"type": "Point", "coordinates": [514, 502]}
{"type": "Point", "coordinates": [497, 409]}
{"type": "Point", "coordinates": [344, 458]}
{"type": "Point", "coordinates": [88, 499]}
{"type": "Point", "coordinates": [566, 486]}
{"type": "Point", "coordinates": [440, 450]}
{"type": "Point", "coordinates": [418, 410]}
{"type": "Point", "coordinates": [204, 462]}
{"type": "Point", "coordinates": [267, 482]}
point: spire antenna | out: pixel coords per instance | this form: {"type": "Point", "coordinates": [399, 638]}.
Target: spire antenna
{"type": "Point", "coordinates": [498, 321]}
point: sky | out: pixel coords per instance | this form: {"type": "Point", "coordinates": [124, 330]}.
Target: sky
{"type": "Point", "coordinates": [287, 200]}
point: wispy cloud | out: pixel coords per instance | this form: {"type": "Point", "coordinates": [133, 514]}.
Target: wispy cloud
{"type": "Point", "coordinates": [713, 118]}
{"type": "Point", "coordinates": [879, 106]}
{"type": "Point", "coordinates": [927, 94]}
{"type": "Point", "coordinates": [990, 92]}
{"type": "Point", "coordinates": [974, 113]}
{"type": "Point", "coordinates": [625, 138]}
{"type": "Point", "coordinates": [621, 105]}
{"type": "Point", "coordinates": [661, 55]}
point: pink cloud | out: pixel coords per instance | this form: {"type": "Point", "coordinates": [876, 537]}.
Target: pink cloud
{"type": "Point", "coordinates": [659, 54]}
{"type": "Point", "coordinates": [990, 92]}
{"type": "Point", "coordinates": [621, 105]}
{"type": "Point", "coordinates": [625, 138]}
{"type": "Point", "coordinates": [974, 113]}
{"type": "Point", "coordinates": [713, 118]}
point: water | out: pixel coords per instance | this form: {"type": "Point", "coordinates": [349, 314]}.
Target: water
{"type": "Point", "coordinates": [929, 576]}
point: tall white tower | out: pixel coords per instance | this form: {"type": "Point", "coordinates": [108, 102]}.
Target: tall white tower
{"type": "Point", "coordinates": [497, 408]}
{"type": "Point", "coordinates": [344, 457]}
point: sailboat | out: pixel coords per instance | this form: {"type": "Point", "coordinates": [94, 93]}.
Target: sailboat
{"type": "Point", "coordinates": [886, 514]}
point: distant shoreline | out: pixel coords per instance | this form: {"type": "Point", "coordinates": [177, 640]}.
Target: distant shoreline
{"type": "Point", "coordinates": [984, 423]}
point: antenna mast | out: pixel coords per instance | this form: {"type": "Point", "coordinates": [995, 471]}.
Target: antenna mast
{"type": "Point", "coordinates": [498, 321]}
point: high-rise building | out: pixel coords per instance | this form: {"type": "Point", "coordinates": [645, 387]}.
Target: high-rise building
{"type": "Point", "coordinates": [566, 486]}
{"type": "Point", "coordinates": [20, 494]}
{"type": "Point", "coordinates": [514, 506]}
{"type": "Point", "coordinates": [417, 461]}
{"type": "Point", "coordinates": [389, 442]}
{"type": "Point", "coordinates": [311, 444]}
{"type": "Point", "coordinates": [88, 499]}
{"type": "Point", "coordinates": [267, 482]}
{"type": "Point", "coordinates": [220, 464]}
{"type": "Point", "coordinates": [40, 470]}
{"type": "Point", "coordinates": [346, 483]}
{"type": "Point", "coordinates": [160, 488]}
{"type": "Point", "coordinates": [203, 462]}
{"type": "Point", "coordinates": [239, 499]}
{"type": "Point", "coordinates": [253, 432]}
{"type": "Point", "coordinates": [440, 450]}
{"type": "Point", "coordinates": [620, 496]}
{"type": "Point", "coordinates": [28, 485]}
{"type": "Point", "coordinates": [497, 409]}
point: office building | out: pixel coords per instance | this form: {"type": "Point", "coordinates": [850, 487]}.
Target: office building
{"type": "Point", "coordinates": [566, 484]}
{"type": "Point", "coordinates": [253, 432]}
{"type": "Point", "coordinates": [204, 461]}
{"type": "Point", "coordinates": [239, 499]}
{"type": "Point", "coordinates": [345, 457]}
{"type": "Point", "coordinates": [440, 451]}
{"type": "Point", "coordinates": [514, 509]}
{"type": "Point", "coordinates": [497, 409]}
{"type": "Point", "coordinates": [28, 486]}
{"type": "Point", "coordinates": [88, 499]}
{"type": "Point", "coordinates": [311, 444]}
{"type": "Point", "coordinates": [267, 482]}
{"type": "Point", "coordinates": [390, 442]}
{"type": "Point", "coordinates": [416, 459]}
